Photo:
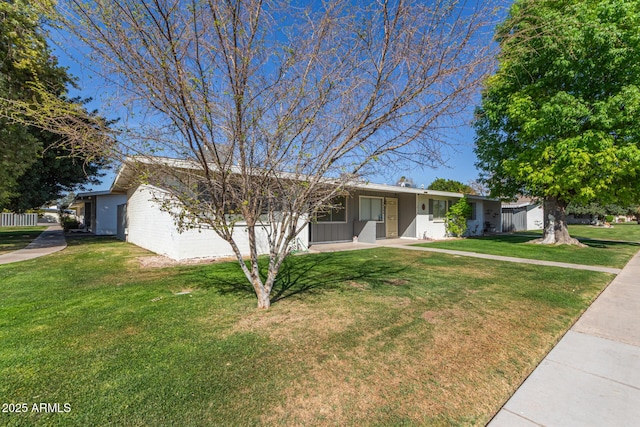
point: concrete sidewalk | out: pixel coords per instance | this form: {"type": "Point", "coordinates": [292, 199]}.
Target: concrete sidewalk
{"type": "Point", "coordinates": [407, 244]}
{"type": "Point", "coordinates": [592, 376]}
{"type": "Point", "coordinates": [601, 269]}
{"type": "Point", "coordinates": [51, 240]}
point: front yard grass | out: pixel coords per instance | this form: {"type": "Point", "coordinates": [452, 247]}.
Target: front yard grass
{"type": "Point", "coordinates": [608, 252]}
{"type": "Point", "coordinates": [15, 238]}
{"type": "Point", "coordinates": [373, 337]}
{"type": "Point", "coordinates": [628, 232]}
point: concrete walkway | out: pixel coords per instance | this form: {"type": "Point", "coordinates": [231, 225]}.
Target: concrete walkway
{"type": "Point", "coordinates": [592, 376]}
{"type": "Point", "coordinates": [508, 258]}
{"type": "Point", "coordinates": [51, 240]}
{"type": "Point", "coordinates": [406, 244]}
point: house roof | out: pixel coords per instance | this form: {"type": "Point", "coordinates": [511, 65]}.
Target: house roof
{"type": "Point", "coordinates": [81, 197]}
{"type": "Point", "coordinates": [93, 193]}
{"type": "Point", "coordinates": [125, 175]}
{"type": "Point", "coordinates": [520, 202]}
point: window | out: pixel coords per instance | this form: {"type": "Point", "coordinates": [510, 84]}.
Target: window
{"type": "Point", "coordinates": [371, 209]}
{"type": "Point", "coordinates": [336, 214]}
{"type": "Point", "coordinates": [472, 212]}
{"type": "Point", "coordinates": [438, 208]}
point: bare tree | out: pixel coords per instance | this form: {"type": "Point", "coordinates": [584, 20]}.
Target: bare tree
{"type": "Point", "coordinates": [274, 107]}
{"type": "Point", "coordinates": [478, 187]}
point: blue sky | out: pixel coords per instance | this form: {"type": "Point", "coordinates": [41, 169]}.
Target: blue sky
{"type": "Point", "coordinates": [458, 154]}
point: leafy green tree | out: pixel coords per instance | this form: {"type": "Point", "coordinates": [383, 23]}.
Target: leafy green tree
{"type": "Point", "coordinates": [456, 217]}
{"type": "Point", "coordinates": [593, 209]}
{"type": "Point", "coordinates": [20, 53]}
{"type": "Point", "coordinates": [54, 171]}
{"type": "Point", "coordinates": [559, 118]}
{"type": "Point", "coordinates": [35, 167]}
{"type": "Point", "coordinates": [599, 210]}
{"type": "Point", "coordinates": [442, 184]}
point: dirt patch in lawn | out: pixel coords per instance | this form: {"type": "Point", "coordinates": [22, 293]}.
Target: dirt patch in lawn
{"type": "Point", "coordinates": [396, 282]}
{"type": "Point", "coordinates": [427, 374]}
{"type": "Point", "coordinates": [159, 261]}
{"type": "Point", "coordinates": [295, 321]}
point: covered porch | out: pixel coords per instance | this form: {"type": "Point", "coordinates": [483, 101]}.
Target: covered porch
{"type": "Point", "coordinates": [98, 211]}
{"type": "Point", "coordinates": [373, 212]}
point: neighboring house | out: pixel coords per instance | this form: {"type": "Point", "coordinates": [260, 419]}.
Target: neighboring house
{"type": "Point", "coordinates": [522, 215]}
{"type": "Point", "coordinates": [371, 212]}
{"type": "Point", "coordinates": [50, 215]}
{"type": "Point", "coordinates": [97, 211]}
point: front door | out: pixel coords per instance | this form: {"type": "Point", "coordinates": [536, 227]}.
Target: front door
{"type": "Point", "coordinates": [88, 216]}
{"type": "Point", "coordinates": [391, 217]}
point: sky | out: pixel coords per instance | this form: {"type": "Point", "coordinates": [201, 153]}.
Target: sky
{"type": "Point", "coordinates": [459, 158]}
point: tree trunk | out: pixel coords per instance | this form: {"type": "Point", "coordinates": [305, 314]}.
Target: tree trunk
{"type": "Point", "coordinates": [264, 301]}
{"type": "Point", "coordinates": [555, 224]}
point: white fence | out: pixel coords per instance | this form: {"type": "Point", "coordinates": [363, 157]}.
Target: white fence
{"type": "Point", "coordinates": [18, 220]}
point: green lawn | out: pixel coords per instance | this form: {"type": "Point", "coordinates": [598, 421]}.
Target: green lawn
{"type": "Point", "coordinates": [14, 238]}
{"type": "Point", "coordinates": [629, 232]}
{"type": "Point", "coordinates": [607, 252]}
{"type": "Point", "coordinates": [374, 337]}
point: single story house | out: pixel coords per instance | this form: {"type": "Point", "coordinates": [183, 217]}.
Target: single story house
{"type": "Point", "coordinates": [522, 215]}
{"type": "Point", "coordinates": [375, 211]}
{"type": "Point", "coordinates": [371, 212]}
{"type": "Point", "coordinates": [97, 211]}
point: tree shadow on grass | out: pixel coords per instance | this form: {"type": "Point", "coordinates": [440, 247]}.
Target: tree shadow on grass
{"type": "Point", "coordinates": [89, 239]}
{"type": "Point", "coordinates": [507, 238]}
{"type": "Point", "coordinates": [605, 244]}
{"type": "Point", "coordinates": [298, 275]}
{"type": "Point", "coordinates": [525, 238]}
{"type": "Point", "coordinates": [321, 272]}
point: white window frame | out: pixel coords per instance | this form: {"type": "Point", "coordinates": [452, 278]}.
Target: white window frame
{"type": "Point", "coordinates": [433, 209]}
{"type": "Point", "coordinates": [344, 208]}
{"type": "Point", "coordinates": [360, 217]}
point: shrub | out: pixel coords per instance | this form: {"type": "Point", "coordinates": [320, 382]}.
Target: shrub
{"type": "Point", "coordinates": [608, 218]}
{"type": "Point", "coordinates": [69, 223]}
{"type": "Point", "coordinates": [456, 218]}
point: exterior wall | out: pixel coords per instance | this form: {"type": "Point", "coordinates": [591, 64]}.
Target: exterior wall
{"type": "Point", "coordinates": [514, 219]}
{"type": "Point", "coordinates": [147, 226]}
{"type": "Point", "coordinates": [155, 230]}
{"type": "Point", "coordinates": [474, 226]}
{"type": "Point", "coordinates": [80, 213]}
{"type": "Point", "coordinates": [492, 217]}
{"type": "Point", "coordinates": [428, 227]}
{"type": "Point", "coordinates": [535, 217]}
{"type": "Point", "coordinates": [106, 218]}
{"type": "Point", "coordinates": [324, 232]}
{"type": "Point", "coordinates": [522, 218]}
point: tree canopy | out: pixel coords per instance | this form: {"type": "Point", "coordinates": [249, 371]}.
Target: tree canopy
{"type": "Point", "coordinates": [598, 210]}
{"type": "Point", "coordinates": [34, 166]}
{"type": "Point", "coordinates": [558, 119]}
{"type": "Point", "coordinates": [442, 184]}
